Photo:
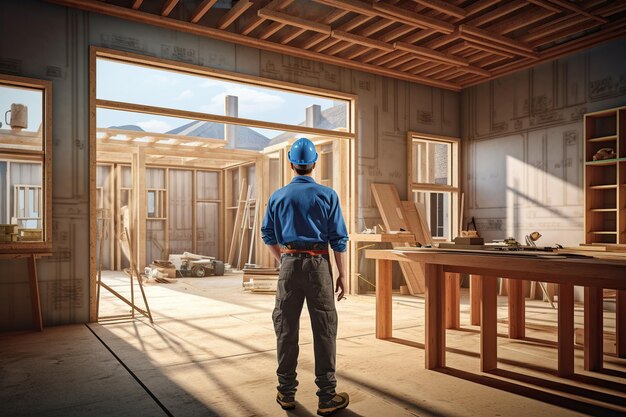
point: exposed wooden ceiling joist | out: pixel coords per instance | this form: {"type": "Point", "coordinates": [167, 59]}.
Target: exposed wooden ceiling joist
{"type": "Point", "coordinates": [466, 42]}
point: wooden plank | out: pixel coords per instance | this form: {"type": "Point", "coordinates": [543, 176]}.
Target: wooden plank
{"type": "Point", "coordinates": [362, 40]}
{"type": "Point", "coordinates": [566, 330]}
{"type": "Point", "coordinates": [412, 18]}
{"type": "Point", "coordinates": [570, 6]}
{"type": "Point", "coordinates": [383, 299]}
{"type": "Point", "coordinates": [137, 4]}
{"type": "Point", "coordinates": [237, 10]}
{"type": "Point", "coordinates": [475, 299]}
{"type": "Point", "coordinates": [620, 325]}
{"type": "Point", "coordinates": [201, 10]}
{"type": "Point", "coordinates": [517, 310]}
{"type": "Point", "coordinates": [421, 211]}
{"type": "Point", "coordinates": [429, 53]}
{"type": "Point", "coordinates": [394, 218]}
{"type": "Point", "coordinates": [435, 337]}
{"type": "Point", "coordinates": [494, 37]}
{"type": "Point", "coordinates": [237, 222]}
{"type": "Point", "coordinates": [33, 282]}
{"type": "Point", "coordinates": [489, 323]}
{"type": "Point", "coordinates": [593, 328]}
{"type": "Point", "coordinates": [453, 300]}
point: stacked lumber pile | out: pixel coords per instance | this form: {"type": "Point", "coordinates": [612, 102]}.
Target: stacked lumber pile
{"type": "Point", "coordinates": [260, 279]}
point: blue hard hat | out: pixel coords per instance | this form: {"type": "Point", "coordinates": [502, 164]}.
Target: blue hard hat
{"type": "Point", "coordinates": [302, 152]}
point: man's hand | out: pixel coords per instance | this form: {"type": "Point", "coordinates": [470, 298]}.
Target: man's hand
{"type": "Point", "coordinates": [340, 287]}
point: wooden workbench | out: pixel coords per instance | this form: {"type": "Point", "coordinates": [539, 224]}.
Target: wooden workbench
{"type": "Point", "coordinates": [592, 273]}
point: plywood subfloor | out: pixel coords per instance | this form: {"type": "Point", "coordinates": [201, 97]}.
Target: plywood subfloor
{"type": "Point", "coordinates": [211, 351]}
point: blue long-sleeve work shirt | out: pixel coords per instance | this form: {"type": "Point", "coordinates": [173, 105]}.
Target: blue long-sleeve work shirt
{"type": "Point", "coordinates": [304, 211]}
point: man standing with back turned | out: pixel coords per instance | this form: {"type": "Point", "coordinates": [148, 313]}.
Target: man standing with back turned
{"type": "Point", "coordinates": [302, 219]}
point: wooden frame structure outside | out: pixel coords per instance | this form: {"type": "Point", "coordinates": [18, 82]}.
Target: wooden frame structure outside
{"type": "Point", "coordinates": [140, 158]}
{"type": "Point", "coordinates": [454, 173]}
{"type": "Point", "coordinates": [44, 156]}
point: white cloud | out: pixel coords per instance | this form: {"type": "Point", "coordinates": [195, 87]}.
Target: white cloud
{"type": "Point", "coordinates": [185, 95]}
{"type": "Point", "coordinates": [165, 80]}
{"type": "Point", "coordinates": [156, 126]}
{"type": "Point", "coordinates": [208, 83]}
{"type": "Point", "coordinates": [251, 101]}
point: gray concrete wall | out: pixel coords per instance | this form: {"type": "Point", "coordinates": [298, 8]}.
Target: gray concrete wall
{"type": "Point", "coordinates": [42, 40]}
{"type": "Point", "coordinates": [523, 144]}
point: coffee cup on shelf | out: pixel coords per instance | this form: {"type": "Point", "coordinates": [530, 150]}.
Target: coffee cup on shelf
{"type": "Point", "coordinates": [18, 118]}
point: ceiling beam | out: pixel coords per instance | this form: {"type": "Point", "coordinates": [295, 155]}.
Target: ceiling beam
{"type": "Point", "coordinates": [137, 4]}
{"type": "Point", "coordinates": [201, 10]}
{"type": "Point", "coordinates": [169, 23]}
{"type": "Point", "coordinates": [237, 10]}
{"type": "Point", "coordinates": [294, 21]}
{"type": "Point", "coordinates": [572, 7]}
{"type": "Point", "coordinates": [168, 6]}
{"type": "Point", "coordinates": [443, 7]}
{"type": "Point", "coordinates": [412, 18]}
{"type": "Point", "coordinates": [362, 40]}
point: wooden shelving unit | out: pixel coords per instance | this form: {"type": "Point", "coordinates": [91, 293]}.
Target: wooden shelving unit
{"type": "Point", "coordinates": [605, 180]}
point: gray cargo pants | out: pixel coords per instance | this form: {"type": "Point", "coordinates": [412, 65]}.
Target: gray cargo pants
{"type": "Point", "coordinates": [311, 279]}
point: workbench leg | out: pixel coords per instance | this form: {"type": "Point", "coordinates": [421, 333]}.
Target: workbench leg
{"type": "Point", "coordinates": [620, 324]}
{"type": "Point", "coordinates": [453, 300]}
{"type": "Point", "coordinates": [34, 292]}
{"type": "Point", "coordinates": [517, 309]}
{"type": "Point", "coordinates": [594, 331]}
{"type": "Point", "coordinates": [489, 324]}
{"type": "Point", "coordinates": [566, 330]}
{"type": "Point", "coordinates": [435, 339]}
{"type": "Point", "coordinates": [383, 298]}
{"type": "Point", "coordinates": [475, 300]}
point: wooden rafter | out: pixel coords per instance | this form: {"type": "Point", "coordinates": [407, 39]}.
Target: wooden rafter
{"type": "Point", "coordinates": [168, 6]}
{"type": "Point", "coordinates": [237, 10]}
{"type": "Point", "coordinates": [201, 10]}
{"type": "Point", "coordinates": [137, 4]}
{"type": "Point", "coordinates": [444, 7]}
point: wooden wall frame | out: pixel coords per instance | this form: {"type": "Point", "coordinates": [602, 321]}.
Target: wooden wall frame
{"type": "Point", "coordinates": [350, 134]}
{"type": "Point", "coordinates": [455, 177]}
{"type": "Point", "coordinates": [45, 156]}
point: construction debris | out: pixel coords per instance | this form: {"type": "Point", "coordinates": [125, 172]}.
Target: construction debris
{"type": "Point", "coordinates": [260, 279]}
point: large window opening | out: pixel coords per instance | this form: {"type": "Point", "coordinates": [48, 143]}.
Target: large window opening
{"type": "Point", "coordinates": [187, 157]}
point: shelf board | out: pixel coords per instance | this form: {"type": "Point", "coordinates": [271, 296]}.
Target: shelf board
{"type": "Point", "coordinates": [602, 113]}
{"type": "Point", "coordinates": [602, 162]}
{"type": "Point", "coordinates": [603, 139]}
{"type": "Point", "coordinates": [603, 187]}
{"type": "Point", "coordinates": [604, 233]}
{"type": "Point", "coordinates": [601, 210]}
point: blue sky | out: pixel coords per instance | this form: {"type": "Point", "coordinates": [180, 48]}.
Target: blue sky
{"type": "Point", "coordinates": [143, 85]}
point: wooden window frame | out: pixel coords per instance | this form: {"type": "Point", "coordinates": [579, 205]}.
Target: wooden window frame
{"type": "Point", "coordinates": [44, 157]}
{"type": "Point", "coordinates": [454, 170]}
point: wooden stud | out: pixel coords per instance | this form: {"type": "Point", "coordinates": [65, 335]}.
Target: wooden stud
{"type": "Point", "coordinates": [376, 27]}
{"type": "Point", "coordinates": [489, 324]}
{"type": "Point", "coordinates": [295, 32]}
{"type": "Point", "coordinates": [201, 10]}
{"type": "Point", "coordinates": [566, 330]}
{"type": "Point", "coordinates": [396, 33]}
{"type": "Point", "coordinates": [271, 29]}
{"type": "Point", "coordinates": [517, 309]}
{"type": "Point", "coordinates": [593, 329]}
{"type": "Point", "coordinates": [237, 10]}
{"type": "Point", "coordinates": [435, 337]}
{"type": "Point", "coordinates": [453, 300]}
{"type": "Point", "coordinates": [168, 6]}
{"type": "Point", "coordinates": [383, 299]}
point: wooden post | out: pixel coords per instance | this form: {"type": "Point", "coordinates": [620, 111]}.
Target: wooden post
{"type": "Point", "coordinates": [475, 281]}
{"type": "Point", "coordinates": [435, 338]}
{"type": "Point", "coordinates": [383, 298]}
{"type": "Point", "coordinates": [489, 323]}
{"type": "Point", "coordinates": [33, 280]}
{"type": "Point", "coordinates": [517, 309]}
{"type": "Point", "coordinates": [594, 332]}
{"type": "Point", "coordinates": [453, 300]}
{"type": "Point", "coordinates": [566, 330]}
{"type": "Point", "coordinates": [620, 325]}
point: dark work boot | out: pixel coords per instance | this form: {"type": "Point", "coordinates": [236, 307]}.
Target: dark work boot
{"type": "Point", "coordinates": [338, 402]}
{"type": "Point", "coordinates": [285, 402]}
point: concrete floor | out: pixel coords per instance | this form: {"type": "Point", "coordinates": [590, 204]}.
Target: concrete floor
{"type": "Point", "coordinates": [211, 352]}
